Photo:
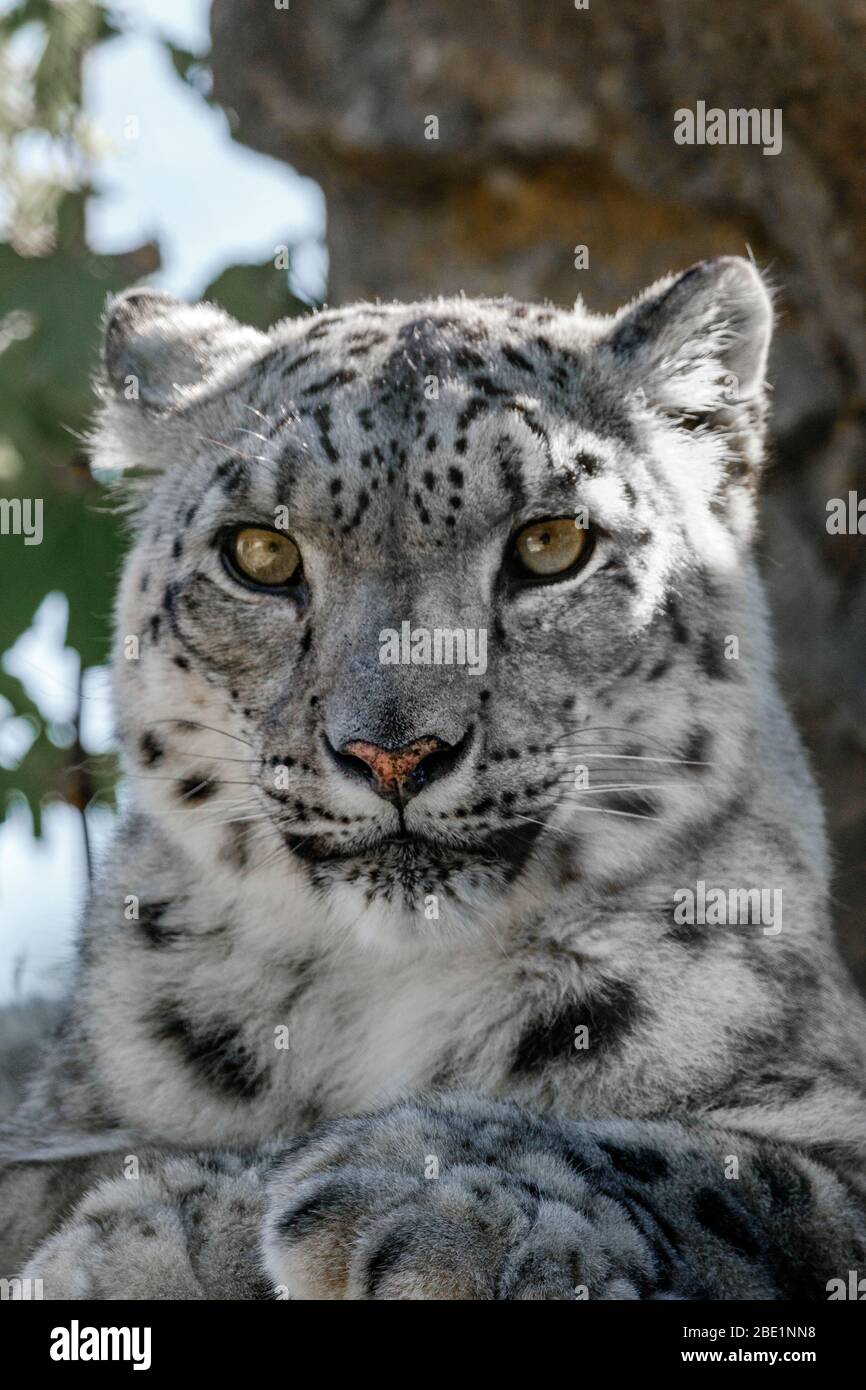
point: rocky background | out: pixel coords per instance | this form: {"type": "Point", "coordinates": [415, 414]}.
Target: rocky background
{"type": "Point", "coordinates": [555, 129]}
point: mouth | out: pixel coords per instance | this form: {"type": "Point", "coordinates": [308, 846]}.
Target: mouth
{"type": "Point", "coordinates": [410, 853]}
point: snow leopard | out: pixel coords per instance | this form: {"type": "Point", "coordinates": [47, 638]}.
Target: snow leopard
{"type": "Point", "coordinates": [410, 976]}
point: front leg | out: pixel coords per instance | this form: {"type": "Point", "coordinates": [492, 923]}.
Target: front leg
{"type": "Point", "coordinates": [469, 1198]}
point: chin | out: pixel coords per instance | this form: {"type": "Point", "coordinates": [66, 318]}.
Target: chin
{"type": "Point", "coordinates": [406, 895]}
{"type": "Point", "coordinates": [405, 891]}
{"type": "Point", "coordinates": [407, 918]}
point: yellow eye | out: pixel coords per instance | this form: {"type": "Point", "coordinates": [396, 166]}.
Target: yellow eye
{"type": "Point", "coordinates": [266, 557]}
{"type": "Point", "coordinates": [551, 547]}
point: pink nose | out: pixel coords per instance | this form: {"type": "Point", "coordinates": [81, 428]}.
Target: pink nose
{"type": "Point", "coordinates": [397, 773]}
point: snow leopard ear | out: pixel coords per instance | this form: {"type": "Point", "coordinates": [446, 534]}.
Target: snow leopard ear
{"type": "Point", "coordinates": [164, 354]}
{"type": "Point", "coordinates": [696, 344]}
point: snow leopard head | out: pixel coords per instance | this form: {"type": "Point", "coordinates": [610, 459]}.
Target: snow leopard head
{"type": "Point", "coordinates": [432, 605]}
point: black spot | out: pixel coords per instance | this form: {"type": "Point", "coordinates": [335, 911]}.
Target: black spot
{"type": "Point", "coordinates": [152, 750]}
{"type": "Point", "coordinates": [475, 407]}
{"type": "Point", "coordinates": [660, 668]}
{"type": "Point", "coordinates": [698, 746]}
{"type": "Point", "coordinates": [389, 1253]}
{"type": "Point", "coordinates": [718, 1215]}
{"type": "Point", "coordinates": [232, 473]}
{"type": "Point", "coordinates": [216, 1053]}
{"type": "Point", "coordinates": [627, 802]}
{"type": "Point", "coordinates": [322, 417]}
{"type": "Point", "coordinates": [342, 377]}
{"type": "Point", "coordinates": [362, 343]}
{"type": "Point", "coordinates": [532, 422]}
{"type": "Point", "coordinates": [197, 787]}
{"type": "Point", "coordinates": [517, 359]}
{"type": "Point", "coordinates": [639, 1161]}
{"type": "Point", "coordinates": [490, 388]}
{"type": "Point", "coordinates": [710, 658]}
{"type": "Point", "coordinates": [151, 926]}
{"type": "Point", "coordinates": [322, 324]}
{"type": "Point", "coordinates": [678, 627]}
{"type": "Point", "coordinates": [609, 1015]}
{"type": "Point", "coordinates": [296, 364]}
{"type": "Point", "coordinates": [510, 461]}
{"type": "Point", "coordinates": [301, 1220]}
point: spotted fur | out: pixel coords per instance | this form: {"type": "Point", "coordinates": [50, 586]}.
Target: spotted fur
{"type": "Point", "coordinates": [505, 1068]}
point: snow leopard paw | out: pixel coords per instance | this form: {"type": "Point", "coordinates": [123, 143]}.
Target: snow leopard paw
{"type": "Point", "coordinates": [469, 1201]}
{"type": "Point", "coordinates": [185, 1227]}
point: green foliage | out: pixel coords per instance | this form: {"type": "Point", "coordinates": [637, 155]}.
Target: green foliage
{"type": "Point", "coordinates": [51, 307]}
{"type": "Point", "coordinates": [52, 290]}
{"type": "Point", "coordinates": [255, 294]}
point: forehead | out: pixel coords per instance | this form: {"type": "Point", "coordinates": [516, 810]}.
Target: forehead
{"type": "Point", "coordinates": [398, 366]}
{"type": "Point", "coordinates": [448, 410]}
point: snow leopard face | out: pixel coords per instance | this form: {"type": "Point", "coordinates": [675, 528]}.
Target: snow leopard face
{"type": "Point", "coordinates": [429, 603]}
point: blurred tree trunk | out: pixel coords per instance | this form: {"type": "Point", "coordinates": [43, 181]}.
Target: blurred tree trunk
{"type": "Point", "coordinates": [555, 130]}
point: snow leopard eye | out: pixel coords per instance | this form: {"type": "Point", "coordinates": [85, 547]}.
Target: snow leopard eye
{"type": "Point", "coordinates": [551, 549]}
{"type": "Point", "coordinates": [263, 557]}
